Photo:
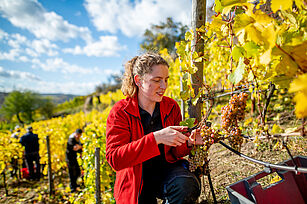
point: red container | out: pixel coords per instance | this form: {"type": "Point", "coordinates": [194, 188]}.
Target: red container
{"type": "Point", "coordinates": [25, 173]}
{"type": "Point", "coordinates": [291, 189]}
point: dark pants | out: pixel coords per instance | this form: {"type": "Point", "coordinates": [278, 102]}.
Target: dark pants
{"type": "Point", "coordinates": [30, 158]}
{"type": "Point", "coordinates": [74, 173]}
{"type": "Point", "coordinates": [14, 163]}
{"type": "Point", "coordinates": [180, 186]}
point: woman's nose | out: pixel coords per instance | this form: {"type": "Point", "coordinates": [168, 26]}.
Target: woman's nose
{"type": "Point", "coordinates": [163, 84]}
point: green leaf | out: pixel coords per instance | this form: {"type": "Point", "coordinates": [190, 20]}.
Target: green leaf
{"type": "Point", "coordinates": [237, 53]}
{"type": "Point", "coordinates": [185, 76]}
{"type": "Point", "coordinates": [188, 122]}
{"type": "Point", "coordinates": [282, 81]}
{"type": "Point", "coordinates": [237, 75]}
{"type": "Point", "coordinates": [188, 36]}
{"type": "Point", "coordinates": [218, 8]}
{"type": "Point", "coordinates": [251, 48]}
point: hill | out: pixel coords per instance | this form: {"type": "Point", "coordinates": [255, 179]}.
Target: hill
{"type": "Point", "coordinates": [56, 98]}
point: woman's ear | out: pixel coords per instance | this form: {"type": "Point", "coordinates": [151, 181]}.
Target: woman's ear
{"type": "Point", "coordinates": [137, 80]}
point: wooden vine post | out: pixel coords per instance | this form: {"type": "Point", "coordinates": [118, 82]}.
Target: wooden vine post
{"type": "Point", "coordinates": [50, 179]}
{"type": "Point", "coordinates": [97, 175]}
{"type": "Point", "coordinates": [197, 45]}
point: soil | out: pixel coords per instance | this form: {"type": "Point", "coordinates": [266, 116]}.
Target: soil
{"type": "Point", "coordinates": [226, 168]}
{"type": "Point", "coordinates": [29, 191]}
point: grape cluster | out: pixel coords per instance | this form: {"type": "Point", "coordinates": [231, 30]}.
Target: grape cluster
{"type": "Point", "coordinates": [199, 156]}
{"type": "Point", "coordinates": [231, 114]}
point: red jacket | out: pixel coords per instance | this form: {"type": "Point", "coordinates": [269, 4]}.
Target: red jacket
{"type": "Point", "coordinates": [127, 147]}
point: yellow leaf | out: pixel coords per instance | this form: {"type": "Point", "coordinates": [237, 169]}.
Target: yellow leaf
{"type": "Point", "coordinates": [262, 18]}
{"type": "Point", "coordinates": [269, 35]}
{"type": "Point", "coordinates": [276, 178]}
{"type": "Point", "coordinates": [300, 3]}
{"type": "Point", "coordinates": [281, 4]}
{"type": "Point", "coordinates": [241, 21]}
{"type": "Point", "coordinates": [266, 57]}
{"type": "Point", "coordinates": [276, 145]}
{"type": "Point", "coordinates": [248, 121]}
{"type": "Point", "coordinates": [286, 66]}
{"type": "Point", "coordinates": [229, 4]}
{"type": "Point", "coordinates": [299, 53]}
{"type": "Point", "coordinates": [299, 86]}
{"type": "Point", "coordinates": [301, 105]}
{"type": "Point", "coordinates": [253, 34]}
{"type": "Point", "coordinates": [276, 129]}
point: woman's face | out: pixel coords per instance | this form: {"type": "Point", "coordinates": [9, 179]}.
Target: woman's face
{"type": "Point", "coordinates": [152, 86]}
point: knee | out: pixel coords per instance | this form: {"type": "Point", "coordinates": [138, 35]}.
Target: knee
{"type": "Point", "coordinates": [189, 186]}
{"type": "Point", "coordinates": [184, 190]}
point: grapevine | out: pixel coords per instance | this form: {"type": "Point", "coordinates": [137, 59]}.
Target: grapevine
{"type": "Point", "coordinates": [199, 156]}
{"type": "Point", "coordinates": [231, 114]}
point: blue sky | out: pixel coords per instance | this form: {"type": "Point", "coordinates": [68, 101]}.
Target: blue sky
{"type": "Point", "coordinates": [71, 46]}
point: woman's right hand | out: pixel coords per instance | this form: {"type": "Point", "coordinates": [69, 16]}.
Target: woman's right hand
{"type": "Point", "coordinates": [171, 136]}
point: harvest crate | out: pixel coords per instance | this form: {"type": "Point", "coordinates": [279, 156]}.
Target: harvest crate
{"type": "Point", "coordinates": [292, 188]}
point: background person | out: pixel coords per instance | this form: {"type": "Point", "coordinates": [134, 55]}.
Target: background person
{"type": "Point", "coordinates": [14, 161]}
{"type": "Point", "coordinates": [144, 143]}
{"type": "Point", "coordinates": [16, 133]}
{"type": "Point", "coordinates": [74, 146]}
{"type": "Point", "coordinates": [31, 144]}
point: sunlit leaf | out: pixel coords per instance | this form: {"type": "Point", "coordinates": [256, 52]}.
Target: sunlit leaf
{"type": "Point", "coordinates": [237, 75]}
{"type": "Point", "coordinates": [299, 86]}
{"type": "Point", "coordinates": [237, 52]}
{"type": "Point", "coordinates": [281, 4]}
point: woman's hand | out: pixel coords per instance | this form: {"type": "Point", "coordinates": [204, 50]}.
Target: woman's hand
{"type": "Point", "coordinates": [171, 136]}
{"type": "Point", "coordinates": [77, 147]}
{"type": "Point", "coordinates": [195, 138]}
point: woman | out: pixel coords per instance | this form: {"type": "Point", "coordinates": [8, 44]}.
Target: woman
{"type": "Point", "coordinates": [145, 145]}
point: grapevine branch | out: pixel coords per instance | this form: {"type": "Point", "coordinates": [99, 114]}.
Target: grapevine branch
{"type": "Point", "coordinates": [268, 98]}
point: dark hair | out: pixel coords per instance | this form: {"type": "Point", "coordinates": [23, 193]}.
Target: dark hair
{"type": "Point", "coordinates": [79, 131]}
{"type": "Point", "coordinates": [139, 65]}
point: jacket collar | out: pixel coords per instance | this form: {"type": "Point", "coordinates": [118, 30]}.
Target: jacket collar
{"type": "Point", "coordinates": [133, 109]}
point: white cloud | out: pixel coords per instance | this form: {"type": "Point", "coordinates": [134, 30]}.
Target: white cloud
{"type": "Point", "coordinates": [3, 34]}
{"type": "Point", "coordinates": [30, 15]}
{"type": "Point", "coordinates": [18, 75]}
{"type": "Point", "coordinates": [111, 71]}
{"type": "Point", "coordinates": [24, 59]}
{"type": "Point", "coordinates": [20, 45]}
{"type": "Point", "coordinates": [106, 46]}
{"type": "Point", "coordinates": [133, 18]}
{"type": "Point", "coordinates": [44, 46]}
{"type": "Point", "coordinates": [71, 87]}
{"type": "Point", "coordinates": [16, 40]}
{"type": "Point", "coordinates": [10, 55]}
{"type": "Point", "coordinates": [58, 64]}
